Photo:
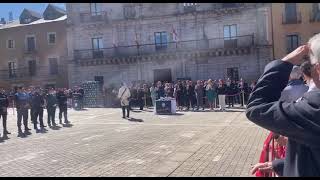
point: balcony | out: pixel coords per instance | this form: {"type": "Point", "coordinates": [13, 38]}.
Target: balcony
{"type": "Point", "coordinates": [315, 16]}
{"type": "Point", "coordinates": [291, 19]}
{"type": "Point", "coordinates": [93, 17]}
{"type": "Point", "coordinates": [23, 74]}
{"type": "Point", "coordinates": [30, 51]}
{"type": "Point", "coordinates": [170, 47]}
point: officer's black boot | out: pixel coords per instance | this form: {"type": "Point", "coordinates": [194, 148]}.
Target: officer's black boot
{"type": "Point", "coordinates": [20, 133]}
{"type": "Point", "coordinates": [5, 131]}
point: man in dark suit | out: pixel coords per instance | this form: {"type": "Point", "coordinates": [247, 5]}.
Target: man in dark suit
{"type": "Point", "coordinates": [299, 121]}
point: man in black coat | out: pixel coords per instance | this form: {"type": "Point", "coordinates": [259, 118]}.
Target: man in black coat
{"type": "Point", "coordinates": [62, 98]}
{"type": "Point", "coordinates": [299, 121]}
{"type": "Point", "coordinates": [4, 103]}
{"type": "Point", "coordinates": [37, 106]}
{"type": "Point", "coordinates": [191, 95]}
{"type": "Point", "coordinates": [51, 101]}
{"type": "Point", "coordinates": [140, 96]}
{"type": "Point", "coordinates": [81, 92]}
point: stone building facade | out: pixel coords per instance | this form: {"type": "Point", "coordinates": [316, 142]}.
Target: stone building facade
{"type": "Point", "coordinates": [293, 25]}
{"type": "Point", "coordinates": [34, 49]}
{"type": "Point", "coordinates": [168, 41]}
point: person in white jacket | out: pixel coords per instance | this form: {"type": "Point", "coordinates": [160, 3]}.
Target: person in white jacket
{"type": "Point", "coordinates": [124, 95]}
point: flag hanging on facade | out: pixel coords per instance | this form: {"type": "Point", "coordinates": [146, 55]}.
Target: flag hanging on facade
{"type": "Point", "coordinates": [174, 34]}
{"type": "Point", "coordinates": [136, 38]}
{"type": "Point", "coordinates": [113, 40]}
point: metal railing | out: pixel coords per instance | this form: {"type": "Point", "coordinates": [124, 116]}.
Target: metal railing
{"type": "Point", "coordinates": [24, 73]}
{"type": "Point", "coordinates": [181, 46]}
{"type": "Point", "coordinates": [291, 19]}
{"type": "Point", "coordinates": [314, 16]}
{"type": "Point", "coordinates": [30, 51]}
{"type": "Point", "coordinates": [93, 16]}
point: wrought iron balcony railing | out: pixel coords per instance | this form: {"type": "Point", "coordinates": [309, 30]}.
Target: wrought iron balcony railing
{"type": "Point", "coordinates": [93, 16]}
{"type": "Point", "coordinates": [24, 73]}
{"type": "Point", "coordinates": [181, 46]}
{"type": "Point", "coordinates": [296, 19]}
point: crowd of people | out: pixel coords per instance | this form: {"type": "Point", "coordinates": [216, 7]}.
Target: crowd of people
{"type": "Point", "coordinates": [188, 94]}
{"type": "Point", "coordinates": [31, 102]}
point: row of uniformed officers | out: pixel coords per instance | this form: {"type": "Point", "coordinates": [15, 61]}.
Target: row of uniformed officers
{"type": "Point", "coordinates": [36, 101]}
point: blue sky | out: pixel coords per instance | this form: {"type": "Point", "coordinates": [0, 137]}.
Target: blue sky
{"type": "Point", "coordinates": [17, 8]}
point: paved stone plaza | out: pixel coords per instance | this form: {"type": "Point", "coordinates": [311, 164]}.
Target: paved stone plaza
{"type": "Point", "coordinates": [101, 143]}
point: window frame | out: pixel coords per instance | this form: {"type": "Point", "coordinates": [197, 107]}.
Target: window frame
{"type": "Point", "coordinates": [26, 42]}
{"type": "Point", "coordinates": [288, 17]}
{"type": "Point", "coordinates": [161, 44]}
{"type": "Point", "coordinates": [48, 38]}
{"type": "Point", "coordinates": [230, 37]}
{"type": "Point", "coordinates": [50, 65]}
{"type": "Point", "coordinates": [291, 42]}
{"type": "Point", "coordinates": [13, 44]}
{"type": "Point", "coordinates": [92, 43]}
{"type": "Point", "coordinates": [35, 68]}
{"type": "Point", "coordinates": [95, 12]}
{"type": "Point", "coordinates": [12, 71]}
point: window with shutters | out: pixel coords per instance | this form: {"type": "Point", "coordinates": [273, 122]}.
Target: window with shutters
{"type": "Point", "coordinates": [51, 38]}
{"type": "Point", "coordinates": [292, 42]}
{"type": "Point", "coordinates": [129, 12]}
{"type": "Point", "coordinates": [12, 69]}
{"type": "Point", "coordinates": [53, 66]}
{"type": "Point", "coordinates": [230, 36]}
{"type": "Point", "coordinates": [291, 14]}
{"type": "Point", "coordinates": [97, 46]}
{"type": "Point", "coordinates": [10, 44]}
{"type": "Point", "coordinates": [32, 67]}
{"type": "Point", "coordinates": [161, 40]}
{"type": "Point", "coordinates": [30, 43]}
{"type": "Point", "coordinates": [95, 9]}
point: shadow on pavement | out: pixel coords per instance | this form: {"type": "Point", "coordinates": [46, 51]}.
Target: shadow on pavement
{"type": "Point", "coordinates": [55, 127]}
{"type": "Point", "coordinates": [176, 114]}
{"type": "Point", "coordinates": [148, 110]}
{"type": "Point", "coordinates": [135, 120]}
{"type": "Point", "coordinates": [67, 125]}
{"type": "Point", "coordinates": [136, 111]}
{"type": "Point", "coordinates": [81, 110]}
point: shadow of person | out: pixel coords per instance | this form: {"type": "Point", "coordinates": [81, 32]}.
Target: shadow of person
{"type": "Point", "coordinates": [136, 111]}
{"type": "Point", "coordinates": [43, 131]}
{"type": "Point", "coordinates": [135, 120]}
{"type": "Point", "coordinates": [69, 125]}
{"type": "Point", "coordinates": [55, 127]}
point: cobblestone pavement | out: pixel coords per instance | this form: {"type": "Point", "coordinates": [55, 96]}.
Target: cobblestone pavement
{"type": "Point", "coordinates": [101, 143]}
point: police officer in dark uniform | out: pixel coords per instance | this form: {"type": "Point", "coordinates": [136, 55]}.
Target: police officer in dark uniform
{"type": "Point", "coordinates": [62, 98]}
{"type": "Point", "coordinates": [81, 92]}
{"type": "Point", "coordinates": [22, 101]}
{"type": "Point", "coordinates": [51, 102]}
{"type": "Point", "coordinates": [4, 103]}
{"type": "Point", "coordinates": [140, 96]}
{"type": "Point", "coordinates": [37, 105]}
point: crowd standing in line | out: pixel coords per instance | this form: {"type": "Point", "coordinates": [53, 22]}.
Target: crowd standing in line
{"type": "Point", "coordinates": [192, 95]}
{"type": "Point", "coordinates": [31, 102]}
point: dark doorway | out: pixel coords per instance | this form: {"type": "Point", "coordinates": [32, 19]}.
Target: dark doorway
{"type": "Point", "coordinates": [162, 75]}
{"type": "Point", "coordinates": [99, 79]}
{"type": "Point", "coordinates": [233, 73]}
